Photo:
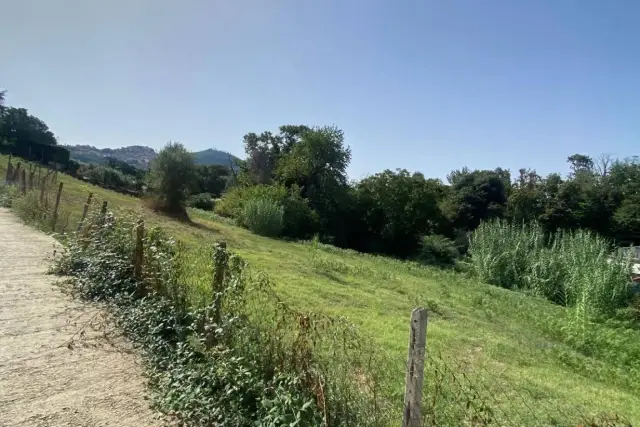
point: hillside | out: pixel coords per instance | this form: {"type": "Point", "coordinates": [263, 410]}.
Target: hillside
{"type": "Point", "coordinates": [510, 348]}
{"type": "Point", "coordinates": [140, 156]}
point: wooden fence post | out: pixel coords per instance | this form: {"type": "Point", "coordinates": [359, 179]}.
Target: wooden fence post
{"type": "Point", "coordinates": [55, 208]}
{"type": "Point", "coordinates": [9, 176]}
{"type": "Point", "coordinates": [85, 211]}
{"type": "Point", "coordinates": [23, 182]}
{"type": "Point", "coordinates": [43, 185]}
{"type": "Point", "coordinates": [138, 256]}
{"type": "Point", "coordinates": [32, 174]}
{"type": "Point", "coordinates": [16, 173]}
{"type": "Point", "coordinates": [220, 260]}
{"type": "Point", "coordinates": [415, 368]}
{"type": "Point", "coordinates": [103, 213]}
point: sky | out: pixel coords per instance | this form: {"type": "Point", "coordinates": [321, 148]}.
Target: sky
{"type": "Point", "coordinates": [425, 85]}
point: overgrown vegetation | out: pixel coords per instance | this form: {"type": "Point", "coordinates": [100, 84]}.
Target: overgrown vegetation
{"type": "Point", "coordinates": [231, 354]}
{"type": "Point", "coordinates": [577, 269]}
{"type": "Point", "coordinates": [201, 201]}
{"type": "Point", "coordinates": [496, 357]}
{"type": "Point", "coordinates": [263, 217]}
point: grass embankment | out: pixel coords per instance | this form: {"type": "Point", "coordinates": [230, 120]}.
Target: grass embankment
{"type": "Point", "coordinates": [512, 347]}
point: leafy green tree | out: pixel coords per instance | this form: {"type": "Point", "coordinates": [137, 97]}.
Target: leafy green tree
{"type": "Point", "coordinates": [212, 179]}
{"type": "Point", "coordinates": [265, 150]}
{"type": "Point", "coordinates": [317, 163]}
{"type": "Point", "coordinates": [172, 176]}
{"type": "Point", "coordinates": [580, 163]}
{"type": "Point", "coordinates": [476, 196]}
{"type": "Point", "coordinates": [21, 128]}
{"type": "Point", "coordinates": [526, 201]}
{"type": "Point", "coordinates": [398, 208]}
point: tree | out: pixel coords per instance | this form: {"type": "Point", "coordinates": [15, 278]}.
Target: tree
{"type": "Point", "coordinates": [3, 94]}
{"type": "Point", "coordinates": [172, 175]}
{"type": "Point", "coordinates": [526, 200]}
{"type": "Point", "coordinates": [398, 208]}
{"type": "Point", "coordinates": [317, 163]}
{"type": "Point", "coordinates": [21, 128]}
{"type": "Point", "coordinates": [476, 196]}
{"type": "Point", "coordinates": [580, 163]}
{"type": "Point", "coordinates": [265, 150]}
{"type": "Point", "coordinates": [211, 179]}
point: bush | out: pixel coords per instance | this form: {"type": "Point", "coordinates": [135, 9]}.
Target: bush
{"type": "Point", "coordinates": [263, 217]}
{"type": "Point", "coordinates": [232, 203]}
{"type": "Point", "coordinates": [201, 201]}
{"type": "Point", "coordinates": [437, 250]}
{"type": "Point", "coordinates": [299, 220]}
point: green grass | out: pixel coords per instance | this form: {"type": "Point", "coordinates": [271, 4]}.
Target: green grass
{"type": "Point", "coordinates": [511, 346]}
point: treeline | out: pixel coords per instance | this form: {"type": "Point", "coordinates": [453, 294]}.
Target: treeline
{"type": "Point", "coordinates": [294, 183]}
{"type": "Point", "coordinates": [26, 136]}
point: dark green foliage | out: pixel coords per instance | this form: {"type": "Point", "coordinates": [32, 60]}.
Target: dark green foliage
{"type": "Point", "coordinates": [201, 201]}
{"type": "Point", "coordinates": [437, 250]}
{"type": "Point", "coordinates": [27, 136]}
{"type": "Point", "coordinates": [476, 196]}
{"type": "Point", "coordinates": [212, 179]}
{"type": "Point", "coordinates": [398, 208]}
{"type": "Point", "coordinates": [107, 177]}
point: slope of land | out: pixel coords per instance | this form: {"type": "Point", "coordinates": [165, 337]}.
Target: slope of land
{"type": "Point", "coordinates": [54, 372]}
{"type": "Point", "coordinates": [512, 346]}
{"type": "Point", "coordinates": [140, 156]}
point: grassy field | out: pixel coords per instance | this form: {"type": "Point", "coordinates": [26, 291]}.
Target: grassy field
{"type": "Point", "coordinates": [511, 346]}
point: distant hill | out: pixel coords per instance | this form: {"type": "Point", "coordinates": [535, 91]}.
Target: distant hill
{"type": "Point", "coordinates": [214, 157]}
{"type": "Point", "coordinates": [140, 156]}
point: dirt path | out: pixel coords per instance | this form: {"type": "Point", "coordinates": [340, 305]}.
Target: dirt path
{"type": "Point", "coordinates": [45, 380]}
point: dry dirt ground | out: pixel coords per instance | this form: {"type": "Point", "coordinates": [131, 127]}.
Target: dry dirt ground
{"type": "Point", "coordinates": [52, 374]}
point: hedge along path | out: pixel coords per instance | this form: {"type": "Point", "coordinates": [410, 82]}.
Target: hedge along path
{"type": "Point", "coordinates": [54, 372]}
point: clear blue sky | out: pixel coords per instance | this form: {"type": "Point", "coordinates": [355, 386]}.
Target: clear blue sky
{"type": "Point", "coordinates": [427, 85]}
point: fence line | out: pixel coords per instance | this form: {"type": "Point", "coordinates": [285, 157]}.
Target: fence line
{"type": "Point", "coordinates": [476, 403]}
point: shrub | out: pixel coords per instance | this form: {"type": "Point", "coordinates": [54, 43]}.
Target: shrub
{"type": "Point", "coordinates": [437, 250]}
{"type": "Point", "coordinates": [201, 201]}
{"type": "Point", "coordinates": [263, 217]}
{"type": "Point", "coordinates": [298, 219]}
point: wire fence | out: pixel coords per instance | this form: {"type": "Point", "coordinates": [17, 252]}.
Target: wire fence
{"type": "Point", "coordinates": [453, 391]}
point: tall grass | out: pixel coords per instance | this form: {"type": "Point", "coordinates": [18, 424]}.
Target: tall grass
{"type": "Point", "coordinates": [577, 269]}
{"type": "Point", "coordinates": [263, 216]}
